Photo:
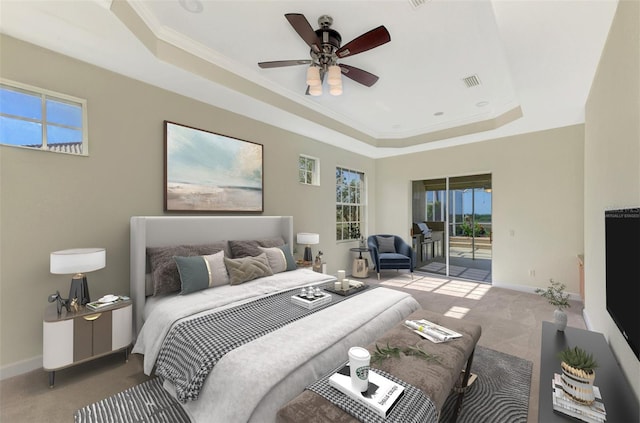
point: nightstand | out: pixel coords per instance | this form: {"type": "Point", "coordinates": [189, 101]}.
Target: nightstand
{"type": "Point", "coordinates": [76, 337]}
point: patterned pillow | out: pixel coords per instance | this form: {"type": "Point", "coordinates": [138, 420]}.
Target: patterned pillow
{"type": "Point", "coordinates": [202, 272]}
{"type": "Point", "coordinates": [386, 244]}
{"type": "Point", "coordinates": [247, 268]}
{"type": "Point", "coordinates": [164, 271]}
{"type": "Point", "coordinates": [252, 248]}
{"type": "Point", "coordinates": [280, 258]}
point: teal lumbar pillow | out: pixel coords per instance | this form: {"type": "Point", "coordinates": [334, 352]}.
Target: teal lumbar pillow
{"type": "Point", "coordinates": [201, 272]}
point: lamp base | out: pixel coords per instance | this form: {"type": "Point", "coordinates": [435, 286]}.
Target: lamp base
{"type": "Point", "coordinates": [307, 254]}
{"type": "Point", "coordinates": [79, 289]}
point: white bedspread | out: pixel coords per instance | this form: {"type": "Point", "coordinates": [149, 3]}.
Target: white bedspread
{"type": "Point", "coordinates": [166, 311]}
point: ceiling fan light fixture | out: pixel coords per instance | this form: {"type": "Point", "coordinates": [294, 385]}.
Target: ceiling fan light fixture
{"type": "Point", "coordinates": [315, 90]}
{"type": "Point", "coordinates": [335, 89]}
{"type": "Point", "coordinates": [334, 75]}
{"type": "Point", "coordinates": [313, 77]}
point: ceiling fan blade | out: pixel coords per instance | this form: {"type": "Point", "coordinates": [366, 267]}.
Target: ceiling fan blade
{"type": "Point", "coordinates": [304, 30]}
{"type": "Point", "coordinates": [358, 75]}
{"type": "Point", "coordinates": [374, 38]}
{"type": "Point", "coordinates": [283, 63]}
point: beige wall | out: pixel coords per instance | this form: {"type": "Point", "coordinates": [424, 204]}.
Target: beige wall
{"type": "Point", "coordinates": [537, 200]}
{"type": "Point", "coordinates": [612, 165]}
{"type": "Point", "coordinates": [53, 201]}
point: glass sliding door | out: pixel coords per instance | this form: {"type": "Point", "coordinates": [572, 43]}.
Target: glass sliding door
{"type": "Point", "coordinates": [462, 205]}
{"type": "Point", "coordinates": [429, 225]}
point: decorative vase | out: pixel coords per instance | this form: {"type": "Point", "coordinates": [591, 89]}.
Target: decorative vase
{"type": "Point", "coordinates": [578, 384]}
{"type": "Point", "coordinates": [560, 319]}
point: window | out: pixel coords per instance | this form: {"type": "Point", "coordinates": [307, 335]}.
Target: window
{"type": "Point", "coordinates": [308, 170]}
{"type": "Point", "coordinates": [350, 201]}
{"type": "Point", "coordinates": [35, 118]}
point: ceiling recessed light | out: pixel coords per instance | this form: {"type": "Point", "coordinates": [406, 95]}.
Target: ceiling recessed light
{"type": "Point", "coordinates": [193, 6]}
{"type": "Point", "coordinates": [438, 113]}
{"type": "Point", "coordinates": [482, 103]}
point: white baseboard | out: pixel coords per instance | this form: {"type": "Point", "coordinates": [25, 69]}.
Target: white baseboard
{"type": "Point", "coordinates": [20, 367]}
{"type": "Point", "coordinates": [532, 289]}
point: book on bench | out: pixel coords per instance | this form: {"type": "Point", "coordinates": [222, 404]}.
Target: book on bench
{"type": "Point", "coordinates": [383, 394]}
{"type": "Point", "coordinates": [431, 331]}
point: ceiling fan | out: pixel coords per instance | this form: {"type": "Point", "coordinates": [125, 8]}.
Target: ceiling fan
{"type": "Point", "coordinates": [325, 52]}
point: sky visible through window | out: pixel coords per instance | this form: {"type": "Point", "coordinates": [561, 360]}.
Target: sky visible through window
{"type": "Point", "coordinates": [22, 120]}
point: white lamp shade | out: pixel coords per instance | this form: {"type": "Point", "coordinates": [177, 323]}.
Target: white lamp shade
{"type": "Point", "coordinates": [308, 238]}
{"type": "Point", "coordinates": [313, 76]}
{"type": "Point", "coordinates": [334, 75]}
{"type": "Point", "coordinates": [78, 260]}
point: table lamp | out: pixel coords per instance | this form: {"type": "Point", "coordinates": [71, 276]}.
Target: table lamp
{"type": "Point", "coordinates": [78, 261]}
{"type": "Point", "coordinates": [307, 239]}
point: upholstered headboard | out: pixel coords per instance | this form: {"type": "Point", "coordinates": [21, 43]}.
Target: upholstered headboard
{"type": "Point", "coordinates": [158, 231]}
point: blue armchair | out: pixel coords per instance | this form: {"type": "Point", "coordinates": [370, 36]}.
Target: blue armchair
{"type": "Point", "coordinates": [390, 252]}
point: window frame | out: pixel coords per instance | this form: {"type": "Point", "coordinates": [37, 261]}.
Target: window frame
{"type": "Point", "coordinates": [45, 95]}
{"type": "Point", "coordinates": [315, 172]}
{"type": "Point", "coordinates": [361, 205]}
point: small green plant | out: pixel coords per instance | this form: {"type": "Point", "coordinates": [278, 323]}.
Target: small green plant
{"type": "Point", "coordinates": [578, 358]}
{"type": "Point", "coordinates": [384, 353]}
{"type": "Point", "coordinates": [555, 295]}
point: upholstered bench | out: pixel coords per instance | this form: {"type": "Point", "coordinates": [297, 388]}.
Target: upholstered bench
{"type": "Point", "coordinates": [435, 378]}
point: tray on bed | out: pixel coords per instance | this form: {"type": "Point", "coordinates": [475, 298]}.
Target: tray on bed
{"type": "Point", "coordinates": [346, 292]}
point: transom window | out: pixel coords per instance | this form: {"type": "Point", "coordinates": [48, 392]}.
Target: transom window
{"type": "Point", "coordinates": [35, 118]}
{"type": "Point", "coordinates": [350, 202]}
{"type": "Point", "coordinates": [308, 170]}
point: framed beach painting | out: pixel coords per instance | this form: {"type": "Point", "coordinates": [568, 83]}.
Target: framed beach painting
{"type": "Point", "coordinates": [209, 172]}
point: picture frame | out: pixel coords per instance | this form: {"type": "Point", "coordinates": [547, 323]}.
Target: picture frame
{"type": "Point", "coordinates": [209, 172]}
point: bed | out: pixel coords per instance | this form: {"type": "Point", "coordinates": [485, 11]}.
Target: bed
{"type": "Point", "coordinates": [254, 380]}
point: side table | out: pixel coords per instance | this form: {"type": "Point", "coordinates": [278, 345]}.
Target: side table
{"type": "Point", "coordinates": [76, 337]}
{"type": "Point", "coordinates": [617, 396]}
{"type": "Point", "coordinates": [360, 268]}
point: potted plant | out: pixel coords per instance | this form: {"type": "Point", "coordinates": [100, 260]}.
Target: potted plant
{"type": "Point", "coordinates": [578, 374]}
{"type": "Point", "coordinates": [556, 297]}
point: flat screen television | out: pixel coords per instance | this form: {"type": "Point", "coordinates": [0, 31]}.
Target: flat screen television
{"type": "Point", "coordinates": [622, 242]}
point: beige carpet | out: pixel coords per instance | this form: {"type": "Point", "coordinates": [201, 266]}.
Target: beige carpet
{"type": "Point", "coordinates": [511, 323]}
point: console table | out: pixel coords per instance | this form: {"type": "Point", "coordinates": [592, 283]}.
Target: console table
{"type": "Point", "coordinates": [619, 400]}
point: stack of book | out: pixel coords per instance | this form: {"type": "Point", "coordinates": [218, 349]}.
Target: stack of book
{"type": "Point", "coordinates": [105, 301]}
{"type": "Point", "coordinates": [383, 394]}
{"type": "Point", "coordinates": [562, 403]}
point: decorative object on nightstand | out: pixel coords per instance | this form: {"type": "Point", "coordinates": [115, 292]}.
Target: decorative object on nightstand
{"type": "Point", "coordinates": [319, 265]}
{"type": "Point", "coordinates": [556, 297]}
{"type": "Point", "coordinates": [77, 261]}
{"type": "Point", "coordinates": [307, 239]}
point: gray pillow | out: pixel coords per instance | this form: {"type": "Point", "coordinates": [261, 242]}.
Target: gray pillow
{"type": "Point", "coordinates": [164, 270]}
{"type": "Point", "coordinates": [252, 248]}
{"type": "Point", "coordinates": [202, 272]}
{"type": "Point", "coordinates": [280, 258]}
{"type": "Point", "coordinates": [386, 244]}
{"type": "Point", "coordinates": [246, 269]}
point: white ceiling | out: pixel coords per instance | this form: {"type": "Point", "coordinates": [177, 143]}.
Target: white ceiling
{"type": "Point", "coordinates": [534, 56]}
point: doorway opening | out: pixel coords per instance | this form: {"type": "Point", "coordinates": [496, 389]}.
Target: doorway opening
{"type": "Point", "coordinates": [452, 232]}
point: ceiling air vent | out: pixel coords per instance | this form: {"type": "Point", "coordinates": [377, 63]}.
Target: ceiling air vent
{"type": "Point", "coordinates": [417, 3]}
{"type": "Point", "coordinates": [471, 81]}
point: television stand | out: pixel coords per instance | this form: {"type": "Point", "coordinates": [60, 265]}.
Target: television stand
{"type": "Point", "coordinates": [619, 400]}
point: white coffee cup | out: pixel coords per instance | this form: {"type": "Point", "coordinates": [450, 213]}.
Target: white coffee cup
{"type": "Point", "coordinates": [359, 360]}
